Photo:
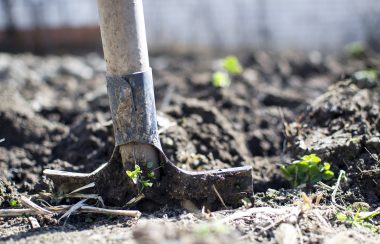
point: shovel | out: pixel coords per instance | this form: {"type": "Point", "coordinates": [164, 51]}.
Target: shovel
{"type": "Point", "coordinates": [137, 146]}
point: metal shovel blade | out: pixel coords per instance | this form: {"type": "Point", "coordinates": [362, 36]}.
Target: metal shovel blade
{"type": "Point", "coordinates": [175, 184]}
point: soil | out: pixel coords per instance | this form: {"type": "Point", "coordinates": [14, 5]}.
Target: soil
{"type": "Point", "coordinates": [54, 114]}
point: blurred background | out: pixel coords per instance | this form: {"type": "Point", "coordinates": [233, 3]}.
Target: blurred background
{"type": "Point", "coordinates": [72, 26]}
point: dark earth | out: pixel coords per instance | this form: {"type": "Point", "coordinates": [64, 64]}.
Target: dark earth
{"type": "Point", "coordinates": [54, 114]}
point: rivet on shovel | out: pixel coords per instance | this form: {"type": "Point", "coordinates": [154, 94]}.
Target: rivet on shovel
{"type": "Point", "coordinates": [131, 95]}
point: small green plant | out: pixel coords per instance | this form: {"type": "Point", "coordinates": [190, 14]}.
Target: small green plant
{"type": "Point", "coordinates": [308, 170]}
{"type": "Point", "coordinates": [355, 49]}
{"type": "Point", "coordinates": [370, 75]}
{"type": "Point", "coordinates": [229, 66]}
{"type": "Point", "coordinates": [359, 219]}
{"type": "Point", "coordinates": [221, 79]}
{"type": "Point", "coordinates": [137, 177]}
{"type": "Point", "coordinates": [13, 203]}
{"type": "Point", "coordinates": [135, 174]}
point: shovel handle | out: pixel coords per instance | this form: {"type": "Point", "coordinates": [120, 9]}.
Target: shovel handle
{"type": "Point", "coordinates": [125, 50]}
{"type": "Point", "coordinates": [122, 29]}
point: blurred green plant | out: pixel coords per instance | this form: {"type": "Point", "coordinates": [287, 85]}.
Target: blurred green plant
{"type": "Point", "coordinates": [359, 219]}
{"type": "Point", "coordinates": [308, 170]}
{"type": "Point", "coordinates": [221, 79]}
{"type": "Point", "coordinates": [355, 49]}
{"type": "Point", "coordinates": [13, 203]}
{"type": "Point", "coordinates": [137, 177]}
{"type": "Point", "coordinates": [370, 75]}
{"type": "Point", "coordinates": [135, 174]}
{"type": "Point", "coordinates": [230, 66]}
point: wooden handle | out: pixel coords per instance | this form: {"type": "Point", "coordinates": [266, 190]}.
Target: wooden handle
{"type": "Point", "coordinates": [125, 50]}
{"type": "Point", "coordinates": [122, 29]}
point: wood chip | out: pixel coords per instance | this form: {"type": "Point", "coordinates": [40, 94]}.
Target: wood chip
{"type": "Point", "coordinates": [34, 223]}
{"type": "Point", "coordinates": [286, 234]}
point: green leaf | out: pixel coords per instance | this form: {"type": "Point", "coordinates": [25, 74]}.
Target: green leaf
{"type": "Point", "coordinates": [232, 65]}
{"type": "Point", "coordinates": [309, 170]}
{"type": "Point", "coordinates": [355, 49]}
{"type": "Point", "coordinates": [151, 174]}
{"type": "Point", "coordinates": [302, 163]}
{"type": "Point", "coordinates": [146, 183]}
{"type": "Point", "coordinates": [370, 75]}
{"type": "Point", "coordinates": [134, 175]}
{"type": "Point", "coordinates": [315, 174]}
{"type": "Point", "coordinates": [311, 158]}
{"type": "Point", "coordinates": [326, 166]}
{"type": "Point", "coordinates": [221, 79]}
{"type": "Point", "coordinates": [284, 170]}
{"type": "Point", "coordinates": [341, 216]}
{"type": "Point", "coordinates": [13, 203]}
{"type": "Point", "coordinates": [328, 175]}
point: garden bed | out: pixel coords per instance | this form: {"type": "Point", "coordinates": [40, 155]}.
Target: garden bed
{"type": "Point", "coordinates": [54, 114]}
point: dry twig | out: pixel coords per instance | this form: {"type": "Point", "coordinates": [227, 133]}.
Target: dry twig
{"type": "Point", "coordinates": [333, 195]}
{"type": "Point", "coordinates": [61, 208]}
{"type": "Point", "coordinates": [219, 196]}
{"type": "Point", "coordinates": [17, 212]}
{"type": "Point", "coordinates": [92, 184]}
{"type": "Point", "coordinates": [28, 203]}
{"type": "Point", "coordinates": [72, 209]}
{"type": "Point", "coordinates": [34, 209]}
{"type": "Point", "coordinates": [295, 212]}
{"type": "Point", "coordinates": [372, 155]}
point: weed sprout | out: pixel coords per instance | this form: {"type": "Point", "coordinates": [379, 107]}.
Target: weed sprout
{"type": "Point", "coordinates": [308, 170]}
{"type": "Point", "coordinates": [229, 66]}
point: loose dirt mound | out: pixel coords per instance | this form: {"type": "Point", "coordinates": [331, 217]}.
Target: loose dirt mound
{"type": "Point", "coordinates": [7, 193]}
{"type": "Point", "coordinates": [342, 126]}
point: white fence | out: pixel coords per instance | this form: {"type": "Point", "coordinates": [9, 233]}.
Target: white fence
{"type": "Point", "coordinates": [278, 24]}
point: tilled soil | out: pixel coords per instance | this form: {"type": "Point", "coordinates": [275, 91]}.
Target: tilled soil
{"type": "Point", "coordinates": [54, 114]}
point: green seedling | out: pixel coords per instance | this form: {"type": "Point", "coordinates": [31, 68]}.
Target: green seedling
{"type": "Point", "coordinates": [137, 177]}
{"type": "Point", "coordinates": [13, 203]}
{"type": "Point", "coordinates": [146, 183]}
{"type": "Point", "coordinates": [308, 170]}
{"type": "Point", "coordinates": [355, 49]}
{"type": "Point", "coordinates": [221, 79]}
{"type": "Point", "coordinates": [150, 174]}
{"type": "Point", "coordinates": [230, 66]}
{"type": "Point", "coordinates": [135, 174]}
{"type": "Point", "coordinates": [359, 219]}
{"type": "Point", "coordinates": [370, 75]}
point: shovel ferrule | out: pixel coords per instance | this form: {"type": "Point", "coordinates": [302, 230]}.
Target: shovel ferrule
{"type": "Point", "coordinates": [133, 108]}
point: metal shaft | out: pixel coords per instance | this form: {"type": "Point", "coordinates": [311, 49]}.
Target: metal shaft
{"type": "Point", "coordinates": [125, 50]}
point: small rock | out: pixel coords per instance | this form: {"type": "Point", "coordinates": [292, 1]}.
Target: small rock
{"type": "Point", "coordinates": [286, 234]}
